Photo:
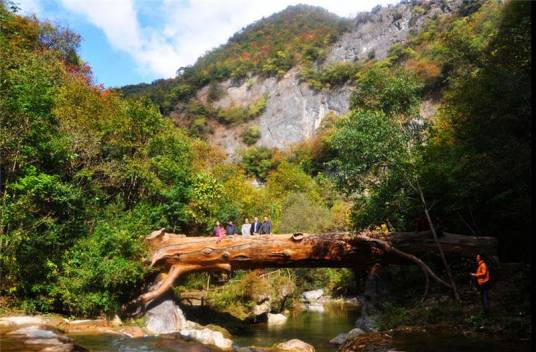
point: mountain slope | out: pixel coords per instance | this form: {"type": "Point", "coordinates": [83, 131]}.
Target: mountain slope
{"type": "Point", "coordinates": [270, 46]}
{"type": "Point", "coordinates": [301, 62]}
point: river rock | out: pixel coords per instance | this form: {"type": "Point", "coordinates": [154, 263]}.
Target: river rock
{"type": "Point", "coordinates": [315, 307]}
{"type": "Point", "coordinates": [207, 336]}
{"type": "Point", "coordinates": [164, 316]}
{"type": "Point", "coordinates": [295, 345]}
{"type": "Point", "coordinates": [353, 301]}
{"type": "Point", "coordinates": [262, 308]}
{"type": "Point", "coordinates": [116, 321]}
{"type": "Point", "coordinates": [276, 319]}
{"type": "Point", "coordinates": [132, 331]}
{"type": "Point", "coordinates": [355, 333]}
{"type": "Point", "coordinates": [22, 320]}
{"type": "Point", "coordinates": [259, 313]}
{"type": "Point", "coordinates": [314, 295]}
{"type": "Point", "coordinates": [53, 341]}
{"type": "Point", "coordinates": [341, 338]}
{"type": "Point", "coordinates": [35, 332]}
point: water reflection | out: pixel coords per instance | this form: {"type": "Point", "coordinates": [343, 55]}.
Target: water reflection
{"type": "Point", "coordinates": [113, 343]}
{"type": "Point", "coordinates": [313, 327]}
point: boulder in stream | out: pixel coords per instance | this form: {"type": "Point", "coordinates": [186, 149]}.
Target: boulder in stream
{"type": "Point", "coordinates": [276, 319]}
{"type": "Point", "coordinates": [294, 345]}
{"type": "Point", "coordinates": [208, 337]}
{"type": "Point", "coordinates": [50, 340]}
{"type": "Point", "coordinates": [315, 307]}
{"type": "Point", "coordinates": [164, 316]}
{"type": "Point", "coordinates": [22, 320]}
{"type": "Point", "coordinates": [311, 296]}
{"type": "Point", "coordinates": [341, 338]}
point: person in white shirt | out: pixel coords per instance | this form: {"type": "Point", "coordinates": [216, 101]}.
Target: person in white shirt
{"type": "Point", "coordinates": [246, 228]}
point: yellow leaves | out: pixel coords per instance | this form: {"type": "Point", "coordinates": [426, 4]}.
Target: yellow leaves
{"type": "Point", "coordinates": [206, 157]}
{"type": "Point", "coordinates": [340, 214]}
{"type": "Point", "coordinates": [425, 69]}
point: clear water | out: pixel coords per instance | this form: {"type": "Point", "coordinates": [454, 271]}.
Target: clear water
{"type": "Point", "coordinates": [114, 343]}
{"type": "Point", "coordinates": [315, 328]}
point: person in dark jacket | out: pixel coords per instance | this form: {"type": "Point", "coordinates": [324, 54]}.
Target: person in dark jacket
{"type": "Point", "coordinates": [230, 228]}
{"type": "Point", "coordinates": [256, 227]}
{"type": "Point", "coordinates": [266, 227]}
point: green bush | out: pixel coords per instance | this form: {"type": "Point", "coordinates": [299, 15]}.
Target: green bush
{"type": "Point", "coordinates": [215, 92]}
{"type": "Point", "coordinates": [251, 135]}
{"type": "Point", "coordinates": [392, 316]}
{"type": "Point", "coordinates": [336, 74]}
{"type": "Point", "coordinates": [104, 270]}
{"type": "Point", "coordinates": [335, 282]}
{"type": "Point", "coordinates": [300, 214]}
{"type": "Point", "coordinates": [236, 115]}
{"type": "Point", "coordinates": [258, 161]}
{"type": "Point", "coordinates": [393, 92]}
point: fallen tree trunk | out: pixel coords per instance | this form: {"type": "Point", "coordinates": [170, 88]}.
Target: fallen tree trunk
{"type": "Point", "coordinates": [178, 254]}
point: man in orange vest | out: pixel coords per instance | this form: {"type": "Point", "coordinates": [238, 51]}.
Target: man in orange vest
{"type": "Point", "coordinates": [482, 278]}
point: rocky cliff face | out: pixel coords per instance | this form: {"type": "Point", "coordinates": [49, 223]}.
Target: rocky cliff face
{"type": "Point", "coordinates": [294, 110]}
{"type": "Point", "coordinates": [376, 31]}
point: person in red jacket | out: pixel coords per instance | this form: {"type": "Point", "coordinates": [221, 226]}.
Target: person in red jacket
{"type": "Point", "coordinates": [482, 279]}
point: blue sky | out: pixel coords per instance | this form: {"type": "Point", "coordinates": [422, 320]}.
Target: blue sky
{"type": "Point", "coordinates": [133, 41]}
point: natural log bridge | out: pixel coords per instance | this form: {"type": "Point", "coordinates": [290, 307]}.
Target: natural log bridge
{"type": "Point", "coordinates": [178, 254]}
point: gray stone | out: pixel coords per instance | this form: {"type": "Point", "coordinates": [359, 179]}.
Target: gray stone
{"type": "Point", "coordinates": [353, 301]}
{"type": "Point", "coordinates": [276, 319]}
{"type": "Point", "coordinates": [261, 309]}
{"type": "Point", "coordinates": [315, 307]}
{"type": "Point", "coordinates": [311, 296]}
{"type": "Point", "coordinates": [68, 347]}
{"type": "Point", "coordinates": [339, 339]}
{"type": "Point", "coordinates": [22, 320]}
{"type": "Point", "coordinates": [209, 337]}
{"type": "Point", "coordinates": [54, 341]}
{"type": "Point", "coordinates": [35, 332]}
{"type": "Point", "coordinates": [355, 333]}
{"type": "Point", "coordinates": [164, 317]}
{"type": "Point", "coordinates": [376, 32]}
{"type": "Point", "coordinates": [295, 345]}
{"type": "Point", "coordinates": [46, 341]}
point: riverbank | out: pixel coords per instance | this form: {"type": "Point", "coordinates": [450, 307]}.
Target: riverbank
{"type": "Point", "coordinates": [400, 320]}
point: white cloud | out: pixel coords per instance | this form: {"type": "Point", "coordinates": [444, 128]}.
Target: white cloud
{"type": "Point", "coordinates": [163, 35]}
{"type": "Point", "coordinates": [29, 7]}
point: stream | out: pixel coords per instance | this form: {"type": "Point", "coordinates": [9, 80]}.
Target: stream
{"type": "Point", "coordinates": [313, 327]}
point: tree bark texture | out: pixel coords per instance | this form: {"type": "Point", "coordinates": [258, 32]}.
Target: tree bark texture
{"type": "Point", "coordinates": [178, 254]}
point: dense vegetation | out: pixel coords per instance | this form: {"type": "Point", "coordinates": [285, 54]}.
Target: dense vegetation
{"type": "Point", "coordinates": [86, 173]}
{"type": "Point", "coordinates": [472, 159]}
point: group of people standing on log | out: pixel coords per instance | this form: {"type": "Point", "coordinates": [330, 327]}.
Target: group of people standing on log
{"type": "Point", "coordinates": [247, 229]}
